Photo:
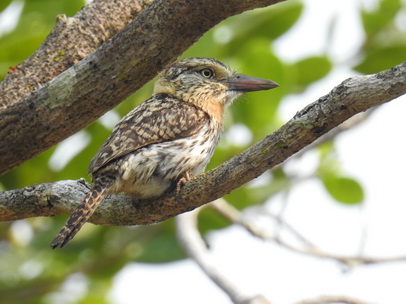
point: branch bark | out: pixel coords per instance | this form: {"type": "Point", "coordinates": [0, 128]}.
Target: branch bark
{"type": "Point", "coordinates": [120, 66]}
{"type": "Point", "coordinates": [71, 40]}
{"type": "Point", "coordinates": [354, 95]}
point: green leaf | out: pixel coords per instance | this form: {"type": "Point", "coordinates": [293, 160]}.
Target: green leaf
{"type": "Point", "coordinates": [381, 58]}
{"type": "Point", "coordinates": [210, 219]}
{"type": "Point", "coordinates": [344, 189]}
{"type": "Point", "coordinates": [385, 13]}
{"type": "Point", "coordinates": [270, 23]}
{"type": "Point", "coordinates": [161, 245]}
{"type": "Point", "coordinates": [283, 17]}
{"type": "Point", "coordinates": [4, 4]}
{"type": "Point", "coordinates": [257, 110]}
{"type": "Point", "coordinates": [311, 69]}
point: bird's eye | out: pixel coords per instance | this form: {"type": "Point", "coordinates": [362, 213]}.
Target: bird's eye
{"type": "Point", "coordinates": [207, 73]}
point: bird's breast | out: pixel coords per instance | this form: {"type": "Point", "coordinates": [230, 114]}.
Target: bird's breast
{"type": "Point", "coordinates": [151, 170]}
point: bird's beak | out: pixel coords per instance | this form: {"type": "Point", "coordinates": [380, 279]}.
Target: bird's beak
{"type": "Point", "coordinates": [243, 83]}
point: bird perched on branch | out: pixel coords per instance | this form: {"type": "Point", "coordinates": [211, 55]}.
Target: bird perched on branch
{"type": "Point", "coordinates": [167, 139]}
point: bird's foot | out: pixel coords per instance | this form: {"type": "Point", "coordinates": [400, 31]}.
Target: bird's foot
{"type": "Point", "coordinates": [182, 181]}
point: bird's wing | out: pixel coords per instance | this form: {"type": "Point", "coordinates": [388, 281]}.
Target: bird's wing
{"type": "Point", "coordinates": [160, 118]}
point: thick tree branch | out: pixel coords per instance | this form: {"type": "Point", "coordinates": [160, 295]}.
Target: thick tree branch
{"type": "Point", "coordinates": [354, 95]}
{"type": "Point", "coordinates": [120, 66]}
{"type": "Point", "coordinates": [72, 39]}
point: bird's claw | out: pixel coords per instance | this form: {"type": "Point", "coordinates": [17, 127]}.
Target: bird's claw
{"type": "Point", "coordinates": [182, 181]}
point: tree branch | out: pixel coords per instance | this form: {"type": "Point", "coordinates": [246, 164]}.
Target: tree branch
{"type": "Point", "coordinates": [72, 39]}
{"type": "Point", "coordinates": [237, 217]}
{"type": "Point", "coordinates": [119, 67]}
{"type": "Point", "coordinates": [354, 95]}
{"type": "Point", "coordinates": [194, 245]}
{"type": "Point", "coordinates": [332, 300]}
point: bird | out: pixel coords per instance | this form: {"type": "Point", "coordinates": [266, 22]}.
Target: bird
{"type": "Point", "coordinates": [166, 140]}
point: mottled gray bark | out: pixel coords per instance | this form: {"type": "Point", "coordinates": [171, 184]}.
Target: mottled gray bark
{"type": "Point", "coordinates": [71, 40]}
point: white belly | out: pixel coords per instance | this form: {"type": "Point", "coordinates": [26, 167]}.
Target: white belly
{"type": "Point", "coordinates": [150, 171]}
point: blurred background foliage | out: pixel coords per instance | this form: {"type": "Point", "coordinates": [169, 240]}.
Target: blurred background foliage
{"type": "Point", "coordinates": [30, 272]}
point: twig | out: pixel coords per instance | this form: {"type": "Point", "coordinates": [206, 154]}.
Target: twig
{"type": "Point", "coordinates": [332, 299]}
{"type": "Point", "coordinates": [284, 224]}
{"type": "Point", "coordinates": [192, 242]}
{"type": "Point", "coordinates": [232, 214]}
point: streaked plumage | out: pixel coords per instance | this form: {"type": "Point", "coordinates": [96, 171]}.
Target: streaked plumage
{"type": "Point", "coordinates": [168, 138]}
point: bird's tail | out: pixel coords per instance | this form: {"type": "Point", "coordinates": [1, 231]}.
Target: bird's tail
{"type": "Point", "coordinates": [79, 216]}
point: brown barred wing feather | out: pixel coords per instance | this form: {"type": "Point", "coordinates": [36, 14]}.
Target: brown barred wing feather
{"type": "Point", "coordinates": [160, 118]}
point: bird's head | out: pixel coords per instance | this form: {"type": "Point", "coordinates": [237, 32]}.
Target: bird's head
{"type": "Point", "coordinates": [207, 83]}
